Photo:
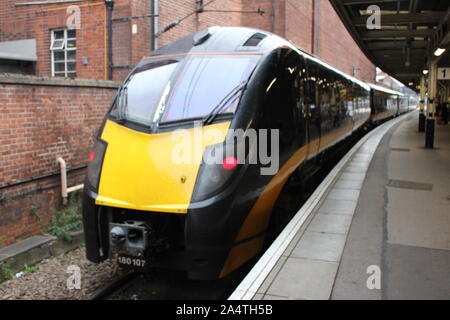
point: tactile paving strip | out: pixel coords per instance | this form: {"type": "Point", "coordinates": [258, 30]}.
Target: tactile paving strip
{"type": "Point", "coordinates": [410, 185]}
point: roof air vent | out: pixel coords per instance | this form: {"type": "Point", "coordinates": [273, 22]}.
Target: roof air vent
{"type": "Point", "coordinates": [201, 37]}
{"type": "Point", "coordinates": [254, 40]}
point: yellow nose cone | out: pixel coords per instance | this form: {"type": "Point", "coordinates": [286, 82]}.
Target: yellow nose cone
{"type": "Point", "coordinates": [153, 172]}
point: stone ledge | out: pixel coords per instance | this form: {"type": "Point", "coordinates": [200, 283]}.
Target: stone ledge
{"type": "Point", "coordinates": [35, 249]}
{"type": "Point", "coordinates": [11, 78]}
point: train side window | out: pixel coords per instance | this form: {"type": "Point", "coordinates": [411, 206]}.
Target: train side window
{"type": "Point", "coordinates": [337, 105]}
{"type": "Point", "coordinates": [358, 103]}
{"type": "Point", "coordinates": [311, 101]}
{"type": "Point", "coordinates": [281, 101]}
{"type": "Point", "coordinates": [301, 103]}
{"type": "Point", "coordinates": [342, 89]}
{"type": "Point", "coordinates": [327, 112]}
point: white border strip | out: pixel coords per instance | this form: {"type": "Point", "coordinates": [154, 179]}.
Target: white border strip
{"type": "Point", "coordinates": [255, 278]}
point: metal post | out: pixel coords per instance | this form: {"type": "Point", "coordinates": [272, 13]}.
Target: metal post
{"type": "Point", "coordinates": [422, 116]}
{"type": "Point", "coordinates": [110, 6]}
{"type": "Point", "coordinates": [431, 107]}
{"type": "Point", "coordinates": [272, 17]}
{"type": "Point", "coordinates": [154, 8]}
{"type": "Point", "coordinates": [152, 26]}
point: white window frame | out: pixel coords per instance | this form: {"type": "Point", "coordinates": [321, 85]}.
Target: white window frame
{"type": "Point", "coordinates": [62, 48]}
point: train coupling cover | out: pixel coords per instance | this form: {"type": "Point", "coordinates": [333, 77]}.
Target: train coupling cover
{"type": "Point", "coordinates": [129, 241]}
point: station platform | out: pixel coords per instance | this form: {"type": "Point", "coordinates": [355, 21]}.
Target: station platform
{"type": "Point", "coordinates": [378, 227]}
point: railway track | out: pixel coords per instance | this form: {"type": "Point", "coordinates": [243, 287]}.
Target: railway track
{"type": "Point", "coordinates": [169, 285]}
{"type": "Point", "coordinates": [109, 289]}
{"type": "Point", "coordinates": [173, 285]}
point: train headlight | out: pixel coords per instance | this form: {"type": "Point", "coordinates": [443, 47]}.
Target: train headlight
{"type": "Point", "coordinates": [95, 163]}
{"type": "Point", "coordinates": [216, 173]}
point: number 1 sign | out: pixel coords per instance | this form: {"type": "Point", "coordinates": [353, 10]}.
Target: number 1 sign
{"type": "Point", "coordinates": [443, 74]}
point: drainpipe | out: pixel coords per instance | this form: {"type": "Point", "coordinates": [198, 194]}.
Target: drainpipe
{"type": "Point", "coordinates": [313, 25]}
{"type": "Point", "coordinates": [110, 6]}
{"type": "Point", "coordinates": [64, 189]}
{"type": "Point", "coordinates": [153, 25]}
{"type": "Point", "coordinates": [272, 17]}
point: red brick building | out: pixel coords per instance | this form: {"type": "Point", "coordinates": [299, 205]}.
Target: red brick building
{"type": "Point", "coordinates": [45, 118]}
{"type": "Point", "coordinates": [82, 52]}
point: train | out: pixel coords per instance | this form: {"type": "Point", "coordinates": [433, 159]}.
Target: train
{"type": "Point", "coordinates": [387, 103]}
{"type": "Point", "coordinates": [147, 209]}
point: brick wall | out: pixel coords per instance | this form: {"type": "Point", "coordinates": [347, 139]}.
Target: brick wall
{"type": "Point", "coordinates": [171, 10]}
{"type": "Point", "coordinates": [339, 49]}
{"type": "Point", "coordinates": [37, 21]}
{"type": "Point", "coordinates": [42, 119]}
{"type": "Point", "coordinates": [332, 43]}
{"type": "Point", "coordinates": [311, 24]}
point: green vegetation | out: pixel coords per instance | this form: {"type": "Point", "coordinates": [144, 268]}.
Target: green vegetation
{"type": "Point", "coordinates": [68, 219]}
{"type": "Point", "coordinates": [34, 211]}
{"type": "Point", "coordinates": [29, 269]}
{"type": "Point", "coordinates": [5, 272]}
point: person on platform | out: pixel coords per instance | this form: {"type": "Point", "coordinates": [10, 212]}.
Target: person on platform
{"type": "Point", "coordinates": [445, 110]}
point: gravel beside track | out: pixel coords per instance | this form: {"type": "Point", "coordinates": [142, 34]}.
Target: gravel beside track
{"type": "Point", "coordinates": [49, 282]}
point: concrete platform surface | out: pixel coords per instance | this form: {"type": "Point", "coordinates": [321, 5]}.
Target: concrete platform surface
{"type": "Point", "coordinates": [381, 231]}
{"type": "Point", "coordinates": [402, 221]}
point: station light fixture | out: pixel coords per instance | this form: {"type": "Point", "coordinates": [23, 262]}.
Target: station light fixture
{"type": "Point", "coordinates": [425, 72]}
{"type": "Point", "coordinates": [439, 51]}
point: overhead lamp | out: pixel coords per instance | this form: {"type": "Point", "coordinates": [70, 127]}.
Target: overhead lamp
{"type": "Point", "coordinates": [439, 51]}
{"type": "Point", "coordinates": [410, 84]}
{"type": "Point", "coordinates": [425, 72]}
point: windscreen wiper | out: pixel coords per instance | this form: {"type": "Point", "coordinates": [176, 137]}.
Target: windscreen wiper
{"type": "Point", "coordinates": [122, 100]}
{"type": "Point", "coordinates": [223, 103]}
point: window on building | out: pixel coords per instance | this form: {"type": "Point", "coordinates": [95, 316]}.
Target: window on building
{"type": "Point", "coordinates": [63, 49]}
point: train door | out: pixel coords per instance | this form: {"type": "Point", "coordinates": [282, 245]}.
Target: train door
{"type": "Point", "coordinates": [280, 105]}
{"type": "Point", "coordinates": [295, 64]}
{"type": "Point", "coordinates": [301, 107]}
{"type": "Point", "coordinates": [345, 96]}
{"type": "Point", "coordinates": [311, 98]}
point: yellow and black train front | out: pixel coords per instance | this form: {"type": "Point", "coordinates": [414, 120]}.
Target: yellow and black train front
{"type": "Point", "coordinates": [151, 199]}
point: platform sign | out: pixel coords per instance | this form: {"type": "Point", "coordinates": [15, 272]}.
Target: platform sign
{"type": "Point", "coordinates": [443, 74]}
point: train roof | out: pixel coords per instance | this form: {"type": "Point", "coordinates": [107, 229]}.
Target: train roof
{"type": "Point", "coordinates": [385, 90]}
{"type": "Point", "coordinates": [222, 39]}
{"type": "Point", "coordinates": [235, 39]}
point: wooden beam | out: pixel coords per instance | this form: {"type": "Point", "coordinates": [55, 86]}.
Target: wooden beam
{"type": "Point", "coordinates": [407, 75]}
{"type": "Point", "coordinates": [396, 45]}
{"type": "Point", "coordinates": [388, 19]}
{"type": "Point", "coordinates": [371, 35]}
{"type": "Point", "coordinates": [368, 2]}
{"type": "Point", "coordinates": [398, 51]}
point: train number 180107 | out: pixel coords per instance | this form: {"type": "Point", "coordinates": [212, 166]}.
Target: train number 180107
{"type": "Point", "coordinates": [132, 262]}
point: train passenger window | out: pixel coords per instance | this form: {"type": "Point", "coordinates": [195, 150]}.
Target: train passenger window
{"type": "Point", "coordinates": [345, 114]}
{"type": "Point", "coordinates": [281, 100]}
{"type": "Point", "coordinates": [328, 112]}
{"type": "Point", "coordinates": [204, 82]}
{"type": "Point", "coordinates": [356, 102]}
{"type": "Point", "coordinates": [311, 100]}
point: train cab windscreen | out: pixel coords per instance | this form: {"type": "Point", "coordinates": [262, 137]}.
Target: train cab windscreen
{"type": "Point", "coordinates": [140, 95]}
{"type": "Point", "coordinates": [187, 90]}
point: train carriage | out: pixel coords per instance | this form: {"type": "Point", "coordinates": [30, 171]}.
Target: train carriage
{"type": "Point", "coordinates": [385, 103]}
{"type": "Point", "coordinates": [150, 210]}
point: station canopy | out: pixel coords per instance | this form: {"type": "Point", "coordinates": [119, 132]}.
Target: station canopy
{"type": "Point", "coordinates": [405, 41]}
